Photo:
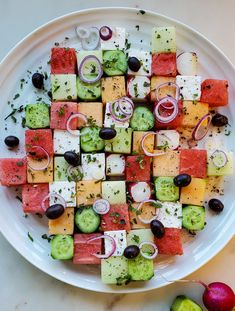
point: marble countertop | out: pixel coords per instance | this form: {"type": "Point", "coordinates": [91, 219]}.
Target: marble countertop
{"type": "Point", "coordinates": [24, 287]}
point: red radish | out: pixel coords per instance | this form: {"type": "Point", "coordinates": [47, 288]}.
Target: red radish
{"type": "Point", "coordinates": [168, 139]}
{"type": "Point", "coordinates": [187, 63]}
{"type": "Point", "coordinates": [138, 87]}
{"type": "Point", "coordinates": [140, 191]}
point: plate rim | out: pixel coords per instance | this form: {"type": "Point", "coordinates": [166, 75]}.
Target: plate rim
{"type": "Point", "coordinates": [94, 11]}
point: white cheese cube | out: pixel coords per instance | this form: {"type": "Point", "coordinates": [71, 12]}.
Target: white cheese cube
{"type": "Point", "coordinates": [190, 87]}
{"type": "Point", "coordinates": [138, 87]}
{"type": "Point", "coordinates": [64, 87]}
{"type": "Point", "coordinates": [66, 189]}
{"type": "Point", "coordinates": [117, 41]}
{"type": "Point", "coordinates": [121, 243]}
{"type": "Point", "coordinates": [64, 141]}
{"type": "Point", "coordinates": [145, 59]}
{"type": "Point", "coordinates": [170, 215]}
{"type": "Point", "coordinates": [114, 191]}
{"type": "Point", "coordinates": [93, 166]}
{"type": "Point", "coordinates": [168, 139]}
{"type": "Point", "coordinates": [109, 121]}
{"type": "Point", "coordinates": [115, 165]}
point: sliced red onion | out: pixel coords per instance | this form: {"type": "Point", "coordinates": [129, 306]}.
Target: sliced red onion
{"type": "Point", "coordinates": [101, 206]}
{"type": "Point", "coordinates": [105, 33]}
{"type": "Point", "coordinates": [200, 131]}
{"type": "Point", "coordinates": [166, 100]}
{"type": "Point", "coordinates": [86, 59]}
{"type": "Point", "coordinates": [150, 154]}
{"type": "Point", "coordinates": [55, 196]}
{"type": "Point", "coordinates": [114, 246]}
{"type": "Point", "coordinates": [75, 173]}
{"type": "Point", "coordinates": [177, 93]}
{"type": "Point", "coordinates": [92, 41]}
{"type": "Point", "coordinates": [45, 166]}
{"type": "Point", "coordinates": [146, 255]}
{"type": "Point", "coordinates": [82, 32]}
{"type": "Point", "coordinates": [116, 114]}
{"type": "Point", "coordinates": [219, 158]}
{"type": "Point", "coordinates": [74, 116]}
{"type": "Point", "coordinates": [126, 106]}
{"type": "Point", "coordinates": [144, 221]}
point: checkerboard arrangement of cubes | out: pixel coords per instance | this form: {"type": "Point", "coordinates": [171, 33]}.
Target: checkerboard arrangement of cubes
{"type": "Point", "coordinates": [117, 162]}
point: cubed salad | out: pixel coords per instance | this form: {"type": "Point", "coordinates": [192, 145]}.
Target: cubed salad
{"type": "Point", "coordinates": [126, 155]}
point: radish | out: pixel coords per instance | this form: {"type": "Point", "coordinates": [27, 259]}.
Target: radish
{"type": "Point", "coordinates": [187, 64]}
{"type": "Point", "coordinates": [168, 139]}
{"type": "Point", "coordinates": [140, 191]}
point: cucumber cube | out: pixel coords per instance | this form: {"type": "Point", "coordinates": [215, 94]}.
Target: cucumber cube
{"type": "Point", "coordinates": [88, 91]}
{"type": "Point", "coordinates": [121, 143]}
{"type": "Point", "coordinates": [166, 189]}
{"type": "Point", "coordinates": [212, 170]}
{"type": "Point", "coordinates": [163, 40]}
{"type": "Point", "coordinates": [37, 115]}
{"type": "Point", "coordinates": [114, 191]}
{"type": "Point", "coordinates": [60, 169]}
{"type": "Point", "coordinates": [64, 87]}
{"type": "Point", "coordinates": [114, 270]}
{"type": "Point", "coordinates": [140, 268]}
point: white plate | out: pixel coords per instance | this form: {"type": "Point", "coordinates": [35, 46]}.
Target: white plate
{"type": "Point", "coordinates": [33, 52]}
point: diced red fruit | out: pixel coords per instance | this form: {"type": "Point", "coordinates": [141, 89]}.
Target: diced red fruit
{"type": "Point", "coordinates": [214, 92]}
{"type": "Point", "coordinates": [164, 64]}
{"type": "Point", "coordinates": [173, 124]}
{"type": "Point", "coordinates": [193, 162]}
{"type": "Point", "coordinates": [116, 219]}
{"type": "Point", "coordinates": [32, 196]}
{"type": "Point", "coordinates": [13, 171]}
{"type": "Point", "coordinates": [60, 112]}
{"type": "Point", "coordinates": [63, 61]}
{"type": "Point", "coordinates": [138, 168]}
{"type": "Point", "coordinates": [83, 249]}
{"type": "Point", "coordinates": [171, 243]}
{"type": "Point", "coordinates": [42, 138]}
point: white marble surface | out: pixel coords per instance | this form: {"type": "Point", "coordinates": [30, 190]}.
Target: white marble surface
{"type": "Point", "coordinates": [24, 287]}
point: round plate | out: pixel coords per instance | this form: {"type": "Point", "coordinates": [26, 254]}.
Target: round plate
{"type": "Point", "coordinates": [31, 54]}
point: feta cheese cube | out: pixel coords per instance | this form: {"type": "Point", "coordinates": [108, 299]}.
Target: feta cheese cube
{"type": "Point", "coordinates": [109, 121]}
{"type": "Point", "coordinates": [138, 87]}
{"type": "Point", "coordinates": [145, 59]}
{"type": "Point", "coordinates": [64, 141]}
{"type": "Point", "coordinates": [66, 189]}
{"type": "Point", "coordinates": [190, 87]}
{"type": "Point", "coordinates": [114, 191]}
{"type": "Point", "coordinates": [121, 243]}
{"type": "Point", "coordinates": [64, 87]}
{"type": "Point", "coordinates": [168, 139]}
{"type": "Point", "coordinates": [117, 41]}
{"type": "Point", "coordinates": [170, 215]}
{"type": "Point", "coordinates": [93, 166]}
{"type": "Point", "coordinates": [115, 165]}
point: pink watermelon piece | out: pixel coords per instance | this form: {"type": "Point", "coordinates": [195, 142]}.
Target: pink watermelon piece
{"type": "Point", "coordinates": [32, 196]}
{"type": "Point", "coordinates": [63, 61]}
{"type": "Point", "coordinates": [138, 168]}
{"type": "Point", "coordinates": [83, 249]}
{"type": "Point", "coordinates": [116, 219]}
{"type": "Point", "coordinates": [193, 162]}
{"type": "Point", "coordinates": [171, 243]}
{"type": "Point", "coordinates": [214, 92]}
{"type": "Point", "coordinates": [60, 112]}
{"type": "Point", "coordinates": [42, 138]}
{"type": "Point", "coordinates": [173, 124]}
{"type": "Point", "coordinates": [164, 64]}
{"type": "Point", "coordinates": [13, 171]}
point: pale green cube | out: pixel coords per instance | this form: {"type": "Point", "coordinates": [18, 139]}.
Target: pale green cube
{"type": "Point", "coordinates": [114, 191]}
{"type": "Point", "coordinates": [64, 87]}
{"type": "Point", "coordinates": [163, 40]}
{"type": "Point", "coordinates": [60, 169]}
{"type": "Point", "coordinates": [89, 68]}
{"type": "Point", "coordinates": [212, 170]}
{"type": "Point", "coordinates": [121, 142]}
{"type": "Point", "coordinates": [114, 270]}
{"type": "Point", "coordinates": [137, 236]}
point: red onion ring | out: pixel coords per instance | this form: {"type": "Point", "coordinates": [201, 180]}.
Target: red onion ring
{"type": "Point", "coordinates": [175, 108]}
{"type": "Point", "coordinates": [145, 255]}
{"type": "Point", "coordinates": [149, 220]}
{"type": "Point", "coordinates": [82, 32]}
{"type": "Point", "coordinates": [105, 33]}
{"type": "Point", "coordinates": [45, 166]}
{"type": "Point", "coordinates": [83, 63]}
{"type": "Point", "coordinates": [195, 134]}
{"type": "Point", "coordinates": [71, 170]}
{"type": "Point", "coordinates": [55, 195]}
{"type": "Point", "coordinates": [73, 116]}
{"type": "Point", "coordinates": [105, 236]}
{"type": "Point", "coordinates": [128, 101]}
{"type": "Point", "coordinates": [123, 116]}
{"type": "Point", "coordinates": [177, 95]}
{"type": "Point", "coordinates": [101, 206]}
{"type": "Point", "coordinates": [150, 154]}
{"type": "Point", "coordinates": [92, 41]}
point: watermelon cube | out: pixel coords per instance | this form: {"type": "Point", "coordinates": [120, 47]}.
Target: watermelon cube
{"type": "Point", "coordinates": [164, 64]}
{"type": "Point", "coordinates": [171, 243]}
{"type": "Point", "coordinates": [32, 196]}
{"type": "Point", "coordinates": [60, 112]}
{"type": "Point", "coordinates": [214, 92]}
{"type": "Point", "coordinates": [42, 138]}
{"type": "Point", "coordinates": [193, 162]}
{"type": "Point", "coordinates": [13, 171]}
{"type": "Point", "coordinates": [84, 250]}
{"type": "Point", "coordinates": [63, 60]}
{"type": "Point", "coordinates": [116, 219]}
{"type": "Point", "coordinates": [173, 124]}
{"type": "Point", "coordinates": [138, 168]}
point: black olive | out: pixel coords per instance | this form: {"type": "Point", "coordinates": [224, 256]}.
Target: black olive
{"type": "Point", "coordinates": [216, 205]}
{"type": "Point", "coordinates": [134, 64]}
{"type": "Point", "coordinates": [49, 94]}
{"type": "Point", "coordinates": [157, 228]}
{"type": "Point", "coordinates": [219, 120]}
{"type": "Point", "coordinates": [182, 180]}
{"type": "Point", "coordinates": [37, 80]}
{"type": "Point", "coordinates": [54, 211]}
{"type": "Point", "coordinates": [72, 158]}
{"type": "Point", "coordinates": [131, 251]}
{"type": "Point", "coordinates": [107, 133]}
{"type": "Point", "coordinates": [12, 141]}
